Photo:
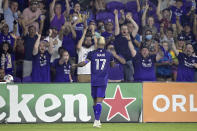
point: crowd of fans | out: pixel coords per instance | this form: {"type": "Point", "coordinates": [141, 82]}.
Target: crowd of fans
{"type": "Point", "coordinates": [151, 40]}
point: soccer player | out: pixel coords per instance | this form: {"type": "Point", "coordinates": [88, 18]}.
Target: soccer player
{"type": "Point", "coordinates": [101, 60]}
{"type": "Point", "coordinates": [187, 63]}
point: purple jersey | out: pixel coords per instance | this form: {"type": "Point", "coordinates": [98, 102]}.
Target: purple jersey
{"type": "Point", "coordinates": [185, 68]}
{"type": "Point", "coordinates": [41, 67]}
{"type": "Point", "coordinates": [144, 68]}
{"type": "Point", "coordinates": [58, 22]}
{"type": "Point", "coordinates": [7, 63]}
{"type": "Point", "coordinates": [8, 38]}
{"type": "Point", "coordinates": [100, 65]}
{"type": "Point", "coordinates": [62, 71]}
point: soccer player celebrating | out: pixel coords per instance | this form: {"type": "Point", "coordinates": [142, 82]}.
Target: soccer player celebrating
{"type": "Point", "coordinates": [187, 63]}
{"type": "Point", "coordinates": [101, 60]}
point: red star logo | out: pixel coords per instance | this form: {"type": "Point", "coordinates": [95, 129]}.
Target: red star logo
{"type": "Point", "coordinates": [118, 105]}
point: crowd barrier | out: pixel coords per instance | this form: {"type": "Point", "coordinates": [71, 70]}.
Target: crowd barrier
{"type": "Point", "coordinates": [124, 102]}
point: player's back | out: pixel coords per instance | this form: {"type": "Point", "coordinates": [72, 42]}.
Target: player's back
{"type": "Point", "coordinates": [100, 65]}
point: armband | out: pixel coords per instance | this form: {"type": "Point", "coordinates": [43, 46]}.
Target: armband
{"type": "Point", "coordinates": [86, 61]}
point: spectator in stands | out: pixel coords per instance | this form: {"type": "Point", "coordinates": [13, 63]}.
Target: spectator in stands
{"type": "Point", "coordinates": [187, 64]}
{"type": "Point", "coordinates": [167, 36]}
{"type": "Point", "coordinates": [68, 36]}
{"type": "Point", "coordinates": [19, 57]}
{"type": "Point", "coordinates": [7, 58]}
{"type": "Point", "coordinates": [29, 41]}
{"type": "Point", "coordinates": [84, 46]}
{"type": "Point", "coordinates": [6, 36]}
{"type": "Point", "coordinates": [144, 63]}
{"type": "Point", "coordinates": [187, 33]}
{"type": "Point", "coordinates": [77, 10]}
{"type": "Point", "coordinates": [57, 43]}
{"type": "Point", "coordinates": [57, 18]}
{"type": "Point", "coordinates": [133, 31]}
{"type": "Point", "coordinates": [178, 10]}
{"type": "Point", "coordinates": [116, 72]}
{"type": "Point", "coordinates": [180, 46]}
{"type": "Point", "coordinates": [149, 25]}
{"type": "Point", "coordinates": [41, 60]}
{"type": "Point", "coordinates": [150, 42]}
{"type": "Point", "coordinates": [11, 14]}
{"type": "Point", "coordinates": [100, 27]}
{"type": "Point", "coordinates": [164, 16]}
{"type": "Point", "coordinates": [164, 65]}
{"type": "Point", "coordinates": [63, 68]}
{"type": "Point", "coordinates": [31, 15]}
{"type": "Point", "coordinates": [93, 28]}
{"type": "Point", "coordinates": [121, 47]}
{"type": "Point", "coordinates": [2, 75]}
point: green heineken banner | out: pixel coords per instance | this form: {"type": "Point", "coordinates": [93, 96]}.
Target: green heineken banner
{"type": "Point", "coordinates": [34, 103]}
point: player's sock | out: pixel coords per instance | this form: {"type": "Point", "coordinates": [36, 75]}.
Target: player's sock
{"type": "Point", "coordinates": [94, 109]}
{"type": "Point", "coordinates": [98, 111]}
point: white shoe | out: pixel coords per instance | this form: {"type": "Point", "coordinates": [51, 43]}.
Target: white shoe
{"type": "Point", "coordinates": [97, 124]}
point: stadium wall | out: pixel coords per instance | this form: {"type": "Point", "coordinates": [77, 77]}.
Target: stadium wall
{"type": "Point", "coordinates": [170, 102]}
{"type": "Point", "coordinates": [39, 103]}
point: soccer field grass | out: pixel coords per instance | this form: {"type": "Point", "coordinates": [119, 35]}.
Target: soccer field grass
{"type": "Point", "coordinates": [105, 127]}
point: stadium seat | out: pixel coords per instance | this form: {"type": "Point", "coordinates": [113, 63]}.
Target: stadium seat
{"type": "Point", "coordinates": [111, 6]}
{"type": "Point", "coordinates": [131, 6]}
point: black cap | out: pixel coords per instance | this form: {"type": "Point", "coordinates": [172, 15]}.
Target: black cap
{"type": "Point", "coordinates": [181, 38]}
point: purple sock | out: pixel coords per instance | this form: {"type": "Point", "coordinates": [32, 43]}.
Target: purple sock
{"type": "Point", "coordinates": [98, 109]}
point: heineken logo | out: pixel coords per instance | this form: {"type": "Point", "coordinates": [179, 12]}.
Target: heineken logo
{"type": "Point", "coordinates": [32, 103]}
{"type": "Point", "coordinates": [118, 105]}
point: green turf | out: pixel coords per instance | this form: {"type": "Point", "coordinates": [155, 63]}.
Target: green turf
{"type": "Point", "coordinates": [105, 127]}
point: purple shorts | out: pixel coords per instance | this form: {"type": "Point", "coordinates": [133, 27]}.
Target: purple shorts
{"type": "Point", "coordinates": [98, 91]}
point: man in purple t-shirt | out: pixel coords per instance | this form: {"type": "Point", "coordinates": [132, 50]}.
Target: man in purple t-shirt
{"type": "Point", "coordinates": [101, 60]}
{"type": "Point", "coordinates": [41, 60]}
{"type": "Point", "coordinates": [144, 63]}
{"type": "Point", "coordinates": [187, 64]}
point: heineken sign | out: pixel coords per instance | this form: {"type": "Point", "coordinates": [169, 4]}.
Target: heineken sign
{"type": "Point", "coordinates": [34, 103]}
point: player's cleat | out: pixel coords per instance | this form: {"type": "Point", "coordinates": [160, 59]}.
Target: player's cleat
{"type": "Point", "coordinates": [97, 124]}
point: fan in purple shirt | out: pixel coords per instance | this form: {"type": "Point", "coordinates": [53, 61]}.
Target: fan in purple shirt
{"type": "Point", "coordinates": [63, 67]}
{"type": "Point", "coordinates": [41, 60]}
{"type": "Point", "coordinates": [144, 63]}
{"type": "Point", "coordinates": [101, 60]}
{"type": "Point", "coordinates": [187, 64]}
{"type": "Point", "coordinates": [6, 58]}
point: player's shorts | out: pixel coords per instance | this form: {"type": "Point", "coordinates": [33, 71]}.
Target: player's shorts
{"type": "Point", "coordinates": [98, 91]}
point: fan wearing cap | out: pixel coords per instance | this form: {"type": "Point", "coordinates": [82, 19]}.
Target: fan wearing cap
{"type": "Point", "coordinates": [101, 60]}
{"type": "Point", "coordinates": [41, 60]}
{"type": "Point", "coordinates": [144, 63]}
{"type": "Point", "coordinates": [187, 33]}
{"type": "Point", "coordinates": [187, 63]}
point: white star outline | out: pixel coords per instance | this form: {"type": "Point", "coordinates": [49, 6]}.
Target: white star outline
{"type": "Point", "coordinates": [134, 99]}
